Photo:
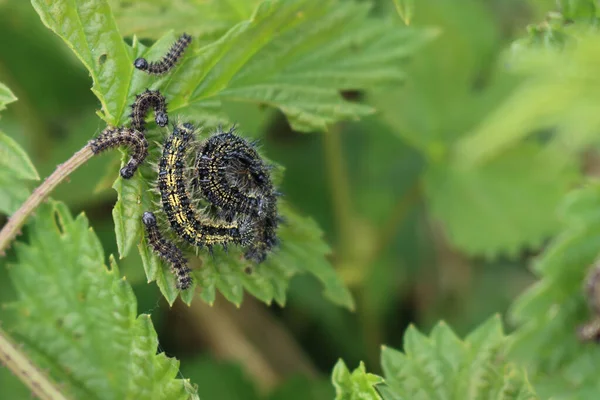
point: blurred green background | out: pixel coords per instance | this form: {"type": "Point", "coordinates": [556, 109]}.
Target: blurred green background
{"type": "Point", "coordinates": [381, 188]}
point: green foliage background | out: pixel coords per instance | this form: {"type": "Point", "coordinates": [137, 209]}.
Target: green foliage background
{"type": "Point", "coordinates": [425, 168]}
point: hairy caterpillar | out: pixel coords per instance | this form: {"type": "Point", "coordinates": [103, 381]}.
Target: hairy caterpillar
{"type": "Point", "coordinates": [167, 251]}
{"type": "Point", "coordinates": [168, 61]}
{"type": "Point", "coordinates": [233, 177]}
{"type": "Point", "coordinates": [128, 137]}
{"type": "Point", "coordinates": [187, 222]}
{"type": "Point", "coordinates": [141, 105]}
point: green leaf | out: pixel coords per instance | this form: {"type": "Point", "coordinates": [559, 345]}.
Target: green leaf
{"type": "Point", "coordinates": [6, 96]}
{"type": "Point", "coordinates": [355, 385]}
{"type": "Point", "coordinates": [14, 160]}
{"type": "Point", "coordinates": [442, 366]}
{"type": "Point", "coordinates": [78, 318]}
{"type": "Point", "coordinates": [504, 205]}
{"type": "Point", "coordinates": [206, 21]}
{"type": "Point", "coordinates": [89, 29]}
{"type": "Point", "coordinates": [406, 9]}
{"type": "Point", "coordinates": [559, 91]}
{"type": "Point", "coordinates": [302, 250]}
{"type": "Point", "coordinates": [549, 313]}
{"type": "Point", "coordinates": [329, 46]}
{"type": "Point", "coordinates": [15, 166]}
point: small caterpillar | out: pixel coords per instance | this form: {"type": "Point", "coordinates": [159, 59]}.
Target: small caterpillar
{"type": "Point", "coordinates": [141, 105]}
{"type": "Point", "coordinates": [183, 218]}
{"type": "Point", "coordinates": [131, 138]}
{"type": "Point", "coordinates": [168, 61]}
{"type": "Point", "coordinates": [167, 251]}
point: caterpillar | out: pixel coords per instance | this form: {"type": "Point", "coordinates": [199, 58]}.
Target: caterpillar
{"type": "Point", "coordinates": [141, 105]}
{"type": "Point", "coordinates": [168, 61]}
{"type": "Point", "coordinates": [167, 251]}
{"type": "Point", "coordinates": [187, 222]}
{"type": "Point", "coordinates": [233, 177]}
{"type": "Point", "coordinates": [129, 137]}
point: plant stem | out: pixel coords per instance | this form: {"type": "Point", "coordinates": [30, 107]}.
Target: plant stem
{"type": "Point", "coordinates": [340, 190]}
{"type": "Point", "coordinates": [397, 217]}
{"type": "Point", "coordinates": [16, 221]}
{"type": "Point", "coordinates": [26, 371]}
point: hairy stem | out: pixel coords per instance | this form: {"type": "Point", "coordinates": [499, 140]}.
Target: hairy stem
{"type": "Point", "coordinates": [26, 371]}
{"type": "Point", "coordinates": [16, 221]}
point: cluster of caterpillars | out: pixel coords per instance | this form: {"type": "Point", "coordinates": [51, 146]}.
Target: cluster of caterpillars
{"type": "Point", "coordinates": [215, 191]}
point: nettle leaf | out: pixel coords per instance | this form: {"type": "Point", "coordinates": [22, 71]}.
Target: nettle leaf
{"type": "Point", "coordinates": [15, 166]}
{"type": "Point", "coordinates": [78, 318]}
{"type": "Point", "coordinates": [442, 366]}
{"type": "Point", "coordinates": [355, 385]}
{"type": "Point", "coordinates": [205, 21]}
{"type": "Point", "coordinates": [89, 29]}
{"type": "Point", "coordinates": [549, 313]}
{"type": "Point", "coordinates": [559, 91]}
{"type": "Point", "coordinates": [297, 55]}
{"type": "Point", "coordinates": [503, 205]}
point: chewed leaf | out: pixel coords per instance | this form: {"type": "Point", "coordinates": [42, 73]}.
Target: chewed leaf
{"type": "Point", "coordinates": [59, 277]}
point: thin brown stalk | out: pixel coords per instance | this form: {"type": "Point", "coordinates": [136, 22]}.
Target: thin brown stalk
{"type": "Point", "coordinates": [16, 221]}
{"type": "Point", "coordinates": [16, 361]}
